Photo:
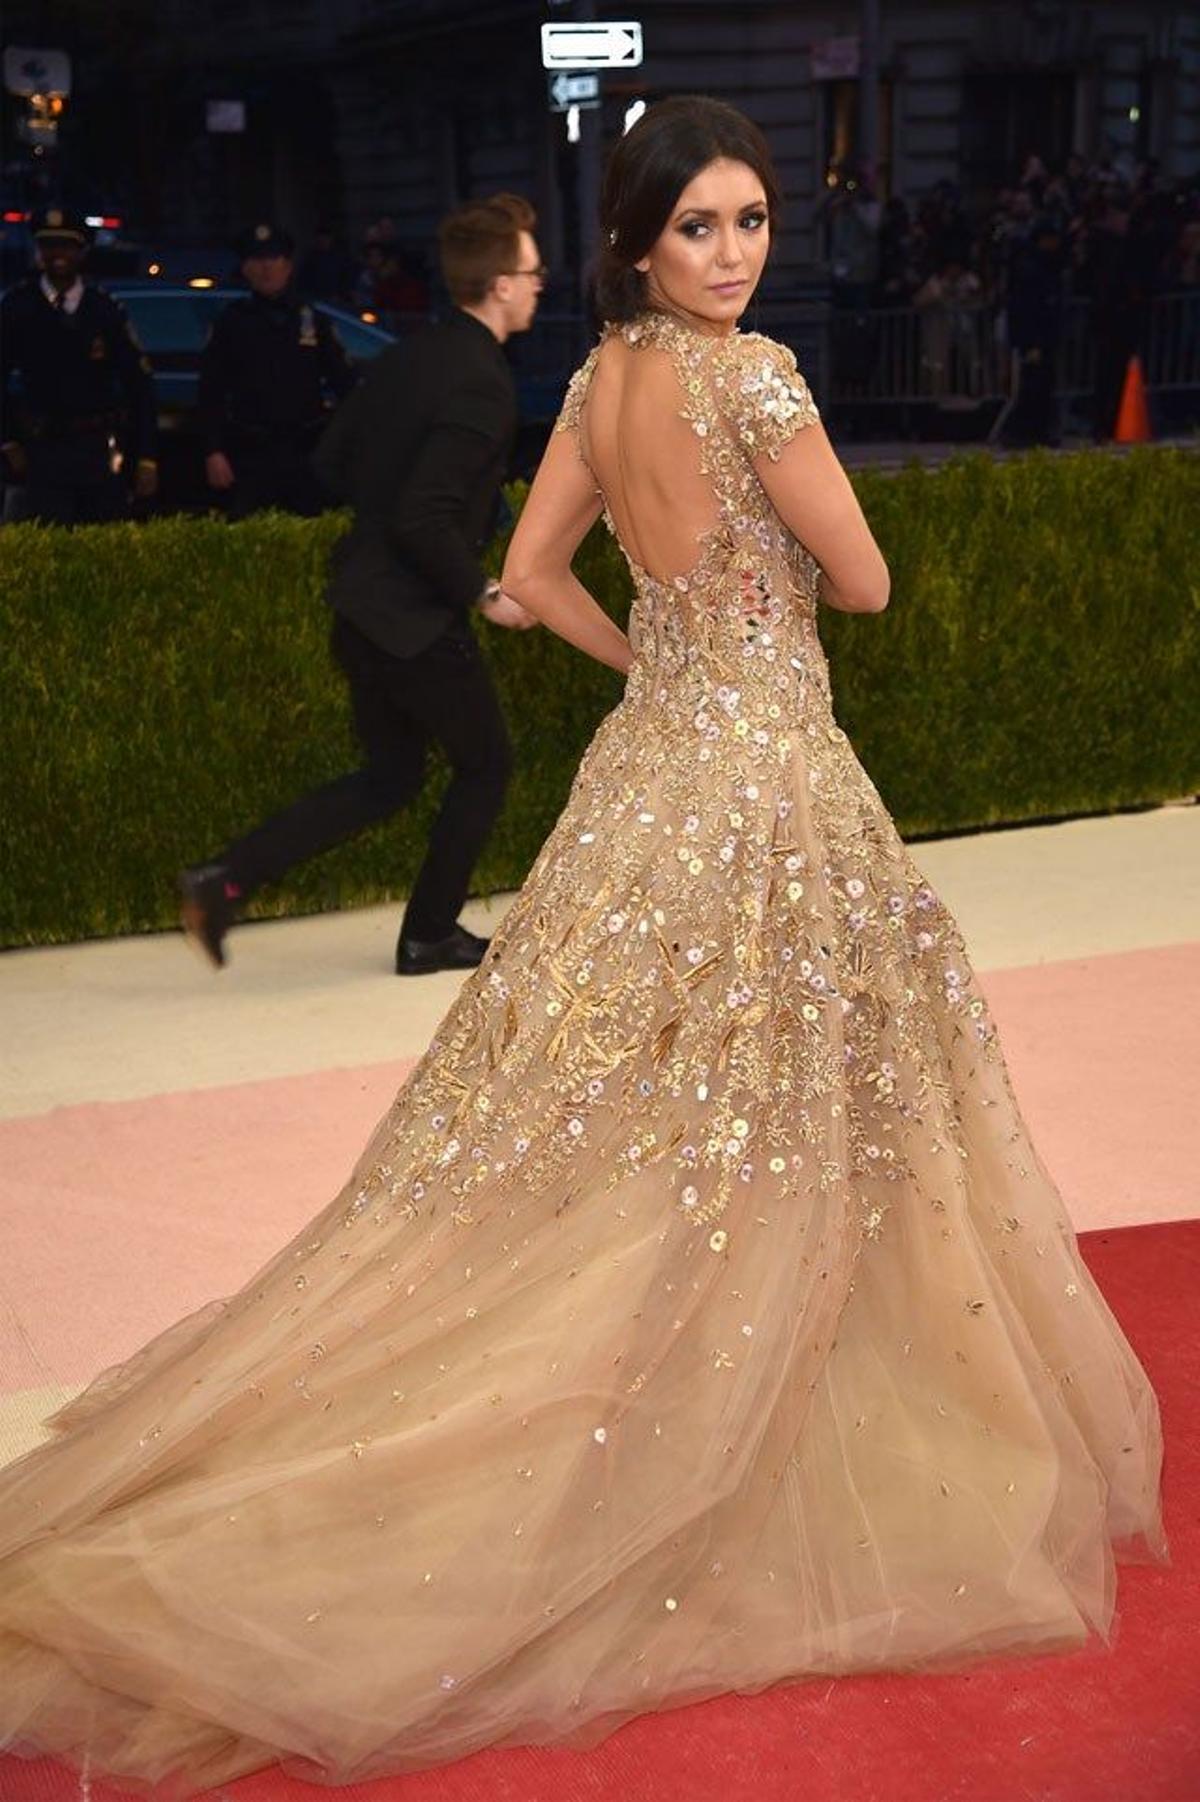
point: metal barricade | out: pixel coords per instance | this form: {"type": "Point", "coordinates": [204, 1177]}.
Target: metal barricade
{"type": "Point", "coordinates": [958, 355]}
{"type": "Point", "coordinates": [943, 358]}
{"type": "Point", "coordinates": [1173, 343]}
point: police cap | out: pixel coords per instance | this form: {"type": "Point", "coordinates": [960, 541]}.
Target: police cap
{"type": "Point", "coordinates": [264, 240]}
{"type": "Point", "coordinates": [57, 223]}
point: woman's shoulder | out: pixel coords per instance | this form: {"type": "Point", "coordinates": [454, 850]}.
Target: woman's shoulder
{"type": "Point", "coordinates": [580, 382]}
{"type": "Point", "coordinates": [764, 392]}
{"type": "Point", "coordinates": [577, 387]}
{"type": "Point", "coordinates": [753, 352]}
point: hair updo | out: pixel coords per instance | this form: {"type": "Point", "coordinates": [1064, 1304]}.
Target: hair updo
{"type": "Point", "coordinates": [648, 171]}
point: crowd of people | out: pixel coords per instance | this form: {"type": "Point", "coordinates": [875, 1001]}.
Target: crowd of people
{"type": "Point", "coordinates": [894, 249]}
{"type": "Point", "coordinates": [1114, 238]}
{"type": "Point", "coordinates": [390, 279]}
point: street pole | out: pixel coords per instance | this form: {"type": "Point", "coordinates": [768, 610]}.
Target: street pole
{"type": "Point", "coordinates": [868, 91]}
{"type": "Point", "coordinates": [549, 191]}
{"type": "Point", "coordinates": [588, 185]}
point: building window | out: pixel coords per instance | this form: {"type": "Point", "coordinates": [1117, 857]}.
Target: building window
{"type": "Point", "coordinates": [1010, 115]}
{"type": "Point", "coordinates": [1138, 117]}
{"type": "Point", "coordinates": [842, 137]}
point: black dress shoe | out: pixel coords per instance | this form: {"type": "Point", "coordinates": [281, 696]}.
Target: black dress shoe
{"type": "Point", "coordinates": [462, 950]}
{"type": "Point", "coordinates": [208, 907]}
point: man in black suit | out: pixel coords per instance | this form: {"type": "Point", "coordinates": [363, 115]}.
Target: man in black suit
{"type": "Point", "coordinates": [419, 450]}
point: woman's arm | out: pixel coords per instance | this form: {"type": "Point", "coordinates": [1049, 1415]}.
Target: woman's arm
{"type": "Point", "coordinates": [811, 493]}
{"type": "Point", "coordinates": [562, 507]}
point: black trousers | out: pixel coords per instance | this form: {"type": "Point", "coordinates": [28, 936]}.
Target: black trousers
{"type": "Point", "coordinates": [400, 704]}
{"type": "Point", "coordinates": [70, 482]}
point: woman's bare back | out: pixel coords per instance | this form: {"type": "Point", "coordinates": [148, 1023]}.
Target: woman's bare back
{"type": "Point", "coordinates": [646, 458]}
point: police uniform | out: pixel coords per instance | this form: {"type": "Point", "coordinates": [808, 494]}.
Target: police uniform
{"type": "Point", "coordinates": [268, 374]}
{"type": "Point", "coordinates": [76, 395]}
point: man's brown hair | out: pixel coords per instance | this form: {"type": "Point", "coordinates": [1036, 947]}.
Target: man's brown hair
{"type": "Point", "coordinates": [480, 241]}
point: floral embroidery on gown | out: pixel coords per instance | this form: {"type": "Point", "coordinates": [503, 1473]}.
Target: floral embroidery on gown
{"type": "Point", "coordinates": [699, 1315]}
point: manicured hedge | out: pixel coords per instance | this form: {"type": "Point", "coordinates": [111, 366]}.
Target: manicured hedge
{"type": "Point", "coordinates": [1041, 654]}
{"type": "Point", "coordinates": [165, 685]}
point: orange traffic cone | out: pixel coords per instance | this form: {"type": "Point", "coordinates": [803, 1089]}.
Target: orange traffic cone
{"type": "Point", "coordinates": [1133, 417]}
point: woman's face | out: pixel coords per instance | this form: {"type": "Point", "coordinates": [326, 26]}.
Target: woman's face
{"type": "Point", "coordinates": [708, 259]}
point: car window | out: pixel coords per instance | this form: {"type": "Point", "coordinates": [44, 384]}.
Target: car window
{"type": "Point", "coordinates": [181, 322]}
{"type": "Point", "coordinates": [360, 342]}
{"type": "Point", "coordinates": [172, 322]}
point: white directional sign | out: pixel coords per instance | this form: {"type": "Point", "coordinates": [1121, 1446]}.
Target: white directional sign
{"type": "Point", "coordinates": [573, 90]}
{"type": "Point", "coordinates": [609, 44]}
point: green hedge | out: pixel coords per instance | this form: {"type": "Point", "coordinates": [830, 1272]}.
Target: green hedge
{"type": "Point", "coordinates": [165, 685]}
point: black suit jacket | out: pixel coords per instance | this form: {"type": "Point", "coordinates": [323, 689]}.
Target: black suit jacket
{"type": "Point", "coordinates": [419, 451]}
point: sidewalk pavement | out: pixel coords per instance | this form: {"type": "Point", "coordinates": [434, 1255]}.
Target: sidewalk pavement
{"type": "Point", "coordinates": [897, 453]}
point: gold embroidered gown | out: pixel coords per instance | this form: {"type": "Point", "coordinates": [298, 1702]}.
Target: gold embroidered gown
{"type": "Point", "coordinates": [699, 1315]}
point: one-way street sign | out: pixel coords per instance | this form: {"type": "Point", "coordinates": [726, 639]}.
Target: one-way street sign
{"type": "Point", "coordinates": [573, 90]}
{"type": "Point", "coordinates": [608, 44]}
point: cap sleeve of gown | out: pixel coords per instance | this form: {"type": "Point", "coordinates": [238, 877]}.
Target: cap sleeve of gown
{"type": "Point", "coordinates": [763, 395]}
{"type": "Point", "coordinates": [577, 387]}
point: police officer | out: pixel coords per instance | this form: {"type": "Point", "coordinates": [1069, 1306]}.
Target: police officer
{"type": "Point", "coordinates": [83, 419]}
{"type": "Point", "coordinates": [267, 376]}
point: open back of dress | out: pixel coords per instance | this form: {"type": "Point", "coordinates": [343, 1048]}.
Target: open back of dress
{"type": "Point", "coordinates": [647, 458]}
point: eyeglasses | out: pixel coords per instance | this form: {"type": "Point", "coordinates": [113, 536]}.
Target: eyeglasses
{"type": "Point", "coordinates": [539, 273]}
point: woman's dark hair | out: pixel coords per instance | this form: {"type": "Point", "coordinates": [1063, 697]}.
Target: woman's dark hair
{"type": "Point", "coordinates": [648, 171]}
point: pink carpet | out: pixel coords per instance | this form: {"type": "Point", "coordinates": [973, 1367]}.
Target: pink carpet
{"type": "Point", "coordinates": [170, 1201]}
{"type": "Point", "coordinates": [1104, 1053]}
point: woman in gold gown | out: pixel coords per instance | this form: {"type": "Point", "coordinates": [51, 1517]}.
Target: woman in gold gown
{"type": "Point", "coordinates": [700, 1315]}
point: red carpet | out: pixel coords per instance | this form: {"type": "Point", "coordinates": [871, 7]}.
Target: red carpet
{"type": "Point", "coordinates": [1119, 1726]}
